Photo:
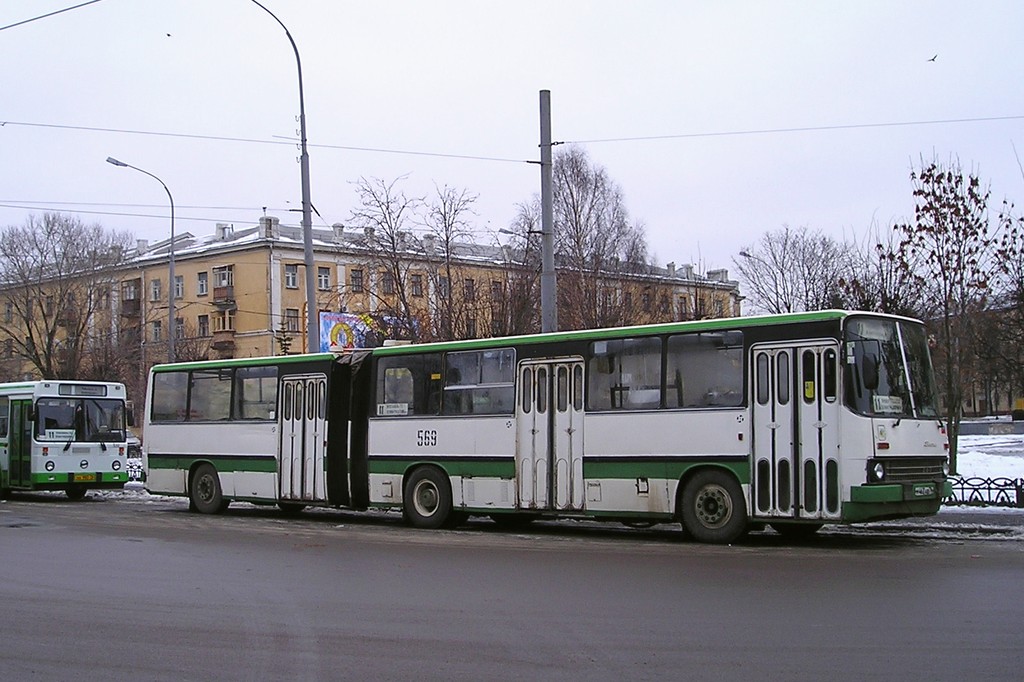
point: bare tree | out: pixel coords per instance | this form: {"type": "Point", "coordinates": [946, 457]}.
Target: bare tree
{"type": "Point", "coordinates": [878, 282]}
{"type": "Point", "coordinates": [793, 271]}
{"type": "Point", "coordinates": [514, 308]}
{"type": "Point", "coordinates": [446, 218]}
{"type": "Point", "coordinates": [596, 243]}
{"type": "Point", "coordinates": [948, 250]}
{"type": "Point", "coordinates": [386, 215]}
{"type": "Point", "coordinates": [56, 275]}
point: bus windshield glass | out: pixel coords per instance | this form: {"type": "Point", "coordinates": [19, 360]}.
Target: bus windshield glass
{"type": "Point", "coordinates": [80, 420]}
{"type": "Point", "coordinates": [888, 369]}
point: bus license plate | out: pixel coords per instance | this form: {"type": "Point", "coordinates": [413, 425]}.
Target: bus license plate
{"type": "Point", "coordinates": [80, 478]}
{"type": "Point", "coordinates": [924, 490]}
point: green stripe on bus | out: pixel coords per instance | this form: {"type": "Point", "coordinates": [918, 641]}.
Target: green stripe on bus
{"type": "Point", "coordinates": [222, 464]}
{"type": "Point", "coordinates": [454, 467]}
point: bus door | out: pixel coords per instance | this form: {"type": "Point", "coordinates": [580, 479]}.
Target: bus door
{"type": "Point", "coordinates": [20, 444]}
{"type": "Point", "coordinates": [795, 431]}
{"type": "Point", "coordinates": [549, 443]}
{"type": "Point", "coordinates": [303, 427]}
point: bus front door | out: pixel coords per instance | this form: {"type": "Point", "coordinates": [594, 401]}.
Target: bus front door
{"type": "Point", "coordinates": [20, 444]}
{"type": "Point", "coordinates": [303, 426]}
{"type": "Point", "coordinates": [795, 472]}
{"type": "Point", "coordinates": [549, 450]}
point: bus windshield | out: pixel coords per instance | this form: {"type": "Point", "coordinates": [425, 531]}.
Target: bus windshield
{"type": "Point", "coordinates": [889, 369]}
{"type": "Point", "coordinates": [80, 419]}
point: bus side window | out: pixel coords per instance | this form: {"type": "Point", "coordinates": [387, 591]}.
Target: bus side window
{"type": "Point", "coordinates": [705, 370]}
{"type": "Point", "coordinates": [210, 398]}
{"type": "Point", "coordinates": [170, 397]}
{"type": "Point", "coordinates": [255, 393]}
{"type": "Point", "coordinates": [625, 374]}
{"type": "Point", "coordinates": [4, 417]}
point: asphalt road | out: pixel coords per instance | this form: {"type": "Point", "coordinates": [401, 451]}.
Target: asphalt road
{"type": "Point", "coordinates": [119, 588]}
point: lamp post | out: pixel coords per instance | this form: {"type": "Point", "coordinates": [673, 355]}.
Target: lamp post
{"type": "Point", "coordinates": [171, 327]}
{"type": "Point", "coordinates": [312, 330]}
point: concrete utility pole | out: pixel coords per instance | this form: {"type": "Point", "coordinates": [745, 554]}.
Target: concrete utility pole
{"type": "Point", "coordinates": [548, 282]}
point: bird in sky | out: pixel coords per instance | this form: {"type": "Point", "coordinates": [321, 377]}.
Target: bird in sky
{"type": "Point", "coordinates": [934, 58]}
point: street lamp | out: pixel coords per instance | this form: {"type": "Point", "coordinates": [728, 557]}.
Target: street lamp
{"type": "Point", "coordinates": [312, 331]}
{"type": "Point", "coordinates": [171, 327]}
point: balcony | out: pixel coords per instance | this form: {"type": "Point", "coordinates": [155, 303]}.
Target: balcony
{"type": "Point", "coordinates": [223, 340]}
{"type": "Point", "coordinates": [224, 297]}
{"type": "Point", "coordinates": [131, 307]}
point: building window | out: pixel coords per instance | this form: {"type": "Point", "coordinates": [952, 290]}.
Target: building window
{"type": "Point", "coordinates": [204, 326]}
{"type": "Point", "coordinates": [179, 328]}
{"type": "Point", "coordinates": [469, 290]}
{"type": "Point", "coordinates": [417, 285]}
{"type": "Point", "coordinates": [224, 276]}
{"type": "Point", "coordinates": [444, 288]}
{"type": "Point", "coordinates": [8, 312]}
{"type": "Point", "coordinates": [130, 291]}
{"type": "Point", "coordinates": [203, 284]}
{"type": "Point", "coordinates": [355, 281]}
{"type": "Point", "coordinates": [291, 276]}
{"type": "Point", "coordinates": [291, 319]}
{"type": "Point", "coordinates": [179, 286]}
{"type": "Point", "coordinates": [157, 331]}
{"type": "Point", "coordinates": [684, 308]}
{"type": "Point", "coordinates": [155, 293]}
{"type": "Point", "coordinates": [8, 351]}
{"type": "Point", "coordinates": [387, 283]}
{"type": "Point", "coordinates": [323, 279]}
{"type": "Point", "coordinates": [471, 328]}
{"type": "Point", "coordinates": [497, 291]}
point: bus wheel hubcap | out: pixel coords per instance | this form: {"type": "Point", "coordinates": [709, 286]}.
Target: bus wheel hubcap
{"type": "Point", "coordinates": [426, 498]}
{"type": "Point", "coordinates": [713, 506]}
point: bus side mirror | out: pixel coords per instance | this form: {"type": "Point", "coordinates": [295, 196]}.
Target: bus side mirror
{"type": "Point", "coordinates": [30, 414]}
{"type": "Point", "coordinates": [869, 366]}
{"type": "Point", "coordinates": [130, 416]}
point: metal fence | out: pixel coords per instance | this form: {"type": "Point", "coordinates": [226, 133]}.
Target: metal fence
{"type": "Point", "coordinates": [987, 492]}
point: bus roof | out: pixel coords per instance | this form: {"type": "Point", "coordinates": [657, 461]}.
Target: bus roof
{"type": "Point", "coordinates": [724, 323]}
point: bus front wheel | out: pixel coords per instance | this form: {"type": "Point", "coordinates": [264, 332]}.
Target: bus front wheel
{"type": "Point", "coordinates": [204, 493]}
{"type": "Point", "coordinates": [427, 498]}
{"type": "Point", "coordinates": [713, 507]}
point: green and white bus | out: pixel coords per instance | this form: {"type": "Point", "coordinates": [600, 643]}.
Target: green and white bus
{"type": "Point", "coordinates": [63, 435]}
{"type": "Point", "coordinates": [794, 421]}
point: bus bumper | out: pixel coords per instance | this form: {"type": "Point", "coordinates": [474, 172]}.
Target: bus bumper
{"type": "Point", "coordinates": [895, 500]}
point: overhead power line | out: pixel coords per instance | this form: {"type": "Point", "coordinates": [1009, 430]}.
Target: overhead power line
{"type": "Point", "coordinates": [473, 157]}
{"type": "Point", "coordinates": [49, 14]}
{"type": "Point", "coordinates": [805, 129]}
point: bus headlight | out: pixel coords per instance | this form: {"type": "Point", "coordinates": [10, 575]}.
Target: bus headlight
{"type": "Point", "coordinates": [116, 465]}
{"type": "Point", "coordinates": [876, 472]}
{"type": "Point", "coordinates": [50, 466]}
{"type": "Point", "coordinates": [945, 468]}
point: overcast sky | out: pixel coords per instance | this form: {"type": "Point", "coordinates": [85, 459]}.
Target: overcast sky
{"type": "Point", "coordinates": [463, 78]}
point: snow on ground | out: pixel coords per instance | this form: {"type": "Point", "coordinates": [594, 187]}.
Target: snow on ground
{"type": "Point", "coordinates": [991, 456]}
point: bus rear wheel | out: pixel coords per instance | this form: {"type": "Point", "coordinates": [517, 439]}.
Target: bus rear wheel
{"type": "Point", "coordinates": [204, 493]}
{"type": "Point", "coordinates": [713, 508]}
{"type": "Point", "coordinates": [427, 498]}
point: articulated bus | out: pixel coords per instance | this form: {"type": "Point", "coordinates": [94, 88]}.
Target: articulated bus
{"type": "Point", "coordinates": [63, 435]}
{"type": "Point", "coordinates": [792, 421]}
